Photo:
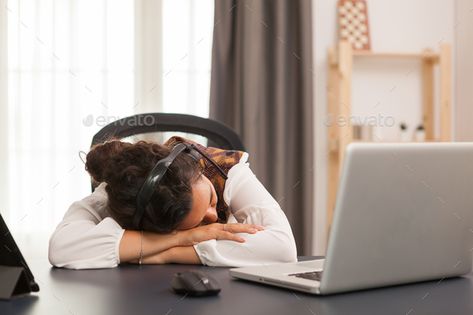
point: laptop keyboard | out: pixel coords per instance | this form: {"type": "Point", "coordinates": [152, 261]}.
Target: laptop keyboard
{"type": "Point", "coordinates": [312, 275]}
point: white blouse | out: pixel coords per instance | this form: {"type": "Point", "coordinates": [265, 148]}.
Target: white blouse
{"type": "Point", "coordinates": [88, 237]}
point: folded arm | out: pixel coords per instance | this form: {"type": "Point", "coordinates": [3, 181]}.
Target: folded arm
{"type": "Point", "coordinates": [251, 203]}
{"type": "Point", "coordinates": [86, 238]}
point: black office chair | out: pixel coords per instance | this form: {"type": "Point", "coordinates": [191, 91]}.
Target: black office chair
{"type": "Point", "coordinates": [217, 134]}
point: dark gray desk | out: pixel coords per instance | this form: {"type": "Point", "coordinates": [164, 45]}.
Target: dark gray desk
{"type": "Point", "coordinates": [134, 290]}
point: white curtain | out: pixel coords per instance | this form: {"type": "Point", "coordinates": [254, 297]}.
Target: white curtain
{"type": "Point", "coordinates": [187, 43]}
{"type": "Point", "coordinates": [3, 106]}
{"type": "Point", "coordinates": [70, 71]}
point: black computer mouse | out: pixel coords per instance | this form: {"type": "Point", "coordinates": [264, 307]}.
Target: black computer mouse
{"type": "Point", "coordinates": [195, 283]}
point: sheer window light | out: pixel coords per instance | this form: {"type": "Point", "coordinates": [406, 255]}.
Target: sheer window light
{"type": "Point", "coordinates": [70, 72]}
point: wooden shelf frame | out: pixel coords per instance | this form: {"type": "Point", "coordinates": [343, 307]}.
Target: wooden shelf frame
{"type": "Point", "coordinates": [427, 54]}
{"type": "Point", "coordinates": [339, 86]}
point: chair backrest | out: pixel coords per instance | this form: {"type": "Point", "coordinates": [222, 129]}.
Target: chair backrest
{"type": "Point", "coordinates": [218, 134]}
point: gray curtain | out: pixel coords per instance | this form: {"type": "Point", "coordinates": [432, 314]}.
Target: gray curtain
{"type": "Point", "coordinates": [261, 85]}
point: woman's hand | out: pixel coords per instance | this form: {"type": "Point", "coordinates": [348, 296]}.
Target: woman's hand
{"type": "Point", "coordinates": [216, 231]}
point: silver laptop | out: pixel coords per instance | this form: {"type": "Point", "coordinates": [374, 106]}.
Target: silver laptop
{"type": "Point", "coordinates": [403, 214]}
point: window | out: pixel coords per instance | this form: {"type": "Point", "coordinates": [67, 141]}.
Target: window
{"type": "Point", "coordinates": [70, 72]}
{"type": "Point", "coordinates": [186, 62]}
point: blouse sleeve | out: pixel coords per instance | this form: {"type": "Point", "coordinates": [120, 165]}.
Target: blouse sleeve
{"type": "Point", "coordinates": [251, 203]}
{"type": "Point", "coordinates": [86, 238]}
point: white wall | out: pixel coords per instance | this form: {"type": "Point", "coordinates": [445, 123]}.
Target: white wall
{"type": "Point", "coordinates": [391, 87]}
{"type": "Point", "coordinates": [464, 69]}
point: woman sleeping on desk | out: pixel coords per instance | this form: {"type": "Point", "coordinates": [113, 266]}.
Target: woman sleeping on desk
{"type": "Point", "coordinates": [174, 203]}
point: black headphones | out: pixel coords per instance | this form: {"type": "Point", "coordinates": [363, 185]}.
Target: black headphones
{"type": "Point", "coordinates": [157, 173]}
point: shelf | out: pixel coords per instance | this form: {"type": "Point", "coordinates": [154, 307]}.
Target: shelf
{"type": "Point", "coordinates": [339, 100]}
{"type": "Point", "coordinates": [395, 142]}
{"type": "Point", "coordinates": [404, 55]}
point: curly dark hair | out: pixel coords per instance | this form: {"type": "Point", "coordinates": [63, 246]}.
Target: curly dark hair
{"type": "Point", "coordinates": [124, 167]}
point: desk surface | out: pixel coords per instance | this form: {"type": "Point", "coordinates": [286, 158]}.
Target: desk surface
{"type": "Point", "coordinates": [132, 289]}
